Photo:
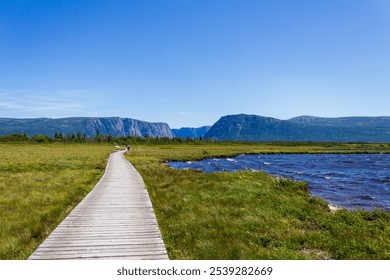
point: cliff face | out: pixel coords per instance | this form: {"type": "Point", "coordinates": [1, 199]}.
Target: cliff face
{"type": "Point", "coordinates": [114, 126]}
{"type": "Point", "coordinates": [191, 132]}
{"type": "Point", "coordinates": [126, 127]}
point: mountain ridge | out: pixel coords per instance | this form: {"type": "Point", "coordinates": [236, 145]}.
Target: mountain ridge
{"type": "Point", "coordinates": [115, 126]}
{"type": "Point", "coordinates": [240, 127]}
{"type": "Point", "coordinates": [244, 127]}
{"type": "Point", "coordinates": [379, 121]}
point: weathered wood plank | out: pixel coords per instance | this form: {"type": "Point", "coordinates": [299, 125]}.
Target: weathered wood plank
{"type": "Point", "coordinates": [114, 221]}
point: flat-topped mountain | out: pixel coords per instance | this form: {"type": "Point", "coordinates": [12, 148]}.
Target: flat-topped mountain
{"type": "Point", "coordinates": [305, 128]}
{"type": "Point", "coordinates": [90, 126]}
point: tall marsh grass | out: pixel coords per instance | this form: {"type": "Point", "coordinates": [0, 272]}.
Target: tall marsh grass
{"type": "Point", "coordinates": [251, 215]}
{"type": "Point", "coordinates": [39, 186]}
{"type": "Point", "coordinates": [240, 215]}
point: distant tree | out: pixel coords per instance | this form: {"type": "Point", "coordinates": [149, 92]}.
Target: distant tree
{"type": "Point", "coordinates": [79, 137]}
{"type": "Point", "coordinates": [14, 138]}
{"type": "Point", "coordinates": [98, 137]}
{"type": "Point", "coordinates": [39, 138]}
{"type": "Point", "coordinates": [58, 135]}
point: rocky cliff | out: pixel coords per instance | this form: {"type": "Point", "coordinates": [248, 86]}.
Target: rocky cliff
{"type": "Point", "coordinates": [90, 126]}
{"type": "Point", "coordinates": [190, 132]}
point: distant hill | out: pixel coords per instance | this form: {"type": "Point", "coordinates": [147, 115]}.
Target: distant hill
{"type": "Point", "coordinates": [191, 132]}
{"type": "Point", "coordinates": [305, 128]}
{"type": "Point", "coordinates": [383, 122]}
{"type": "Point", "coordinates": [90, 126]}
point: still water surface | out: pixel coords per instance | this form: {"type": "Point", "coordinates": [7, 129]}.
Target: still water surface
{"type": "Point", "coordinates": [353, 181]}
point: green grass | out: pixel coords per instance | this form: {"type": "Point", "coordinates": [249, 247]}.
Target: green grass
{"type": "Point", "coordinates": [242, 215]}
{"type": "Point", "coordinates": [251, 215]}
{"type": "Point", "coordinates": [39, 186]}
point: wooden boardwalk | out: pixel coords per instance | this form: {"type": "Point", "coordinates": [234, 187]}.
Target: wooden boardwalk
{"type": "Point", "coordinates": [114, 221]}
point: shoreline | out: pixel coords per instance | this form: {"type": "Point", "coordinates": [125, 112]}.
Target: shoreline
{"type": "Point", "coordinates": [334, 208]}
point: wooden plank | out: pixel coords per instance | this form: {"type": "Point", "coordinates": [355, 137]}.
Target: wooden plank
{"type": "Point", "coordinates": [114, 221]}
{"type": "Point", "coordinates": [97, 242]}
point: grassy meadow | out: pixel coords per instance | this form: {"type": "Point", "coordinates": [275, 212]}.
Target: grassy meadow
{"type": "Point", "coordinates": [39, 186]}
{"type": "Point", "coordinates": [241, 215]}
{"type": "Point", "coordinates": [251, 215]}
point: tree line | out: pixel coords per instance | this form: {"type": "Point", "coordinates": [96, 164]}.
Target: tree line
{"type": "Point", "coordinates": [97, 138]}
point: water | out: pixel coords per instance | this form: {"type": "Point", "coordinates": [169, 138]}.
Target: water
{"type": "Point", "coordinates": [353, 181]}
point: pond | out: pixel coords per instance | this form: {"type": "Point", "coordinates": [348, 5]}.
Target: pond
{"type": "Point", "coordinates": [353, 181]}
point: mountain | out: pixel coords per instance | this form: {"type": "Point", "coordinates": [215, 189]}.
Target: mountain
{"type": "Point", "coordinates": [305, 128]}
{"type": "Point", "coordinates": [232, 127]}
{"type": "Point", "coordinates": [190, 132]}
{"type": "Point", "coordinates": [344, 122]}
{"type": "Point", "coordinates": [90, 126]}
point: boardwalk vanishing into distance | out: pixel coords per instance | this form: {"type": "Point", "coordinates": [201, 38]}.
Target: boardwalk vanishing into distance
{"type": "Point", "coordinates": [114, 221]}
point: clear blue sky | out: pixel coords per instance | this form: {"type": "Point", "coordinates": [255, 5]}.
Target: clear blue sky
{"type": "Point", "coordinates": [189, 62]}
